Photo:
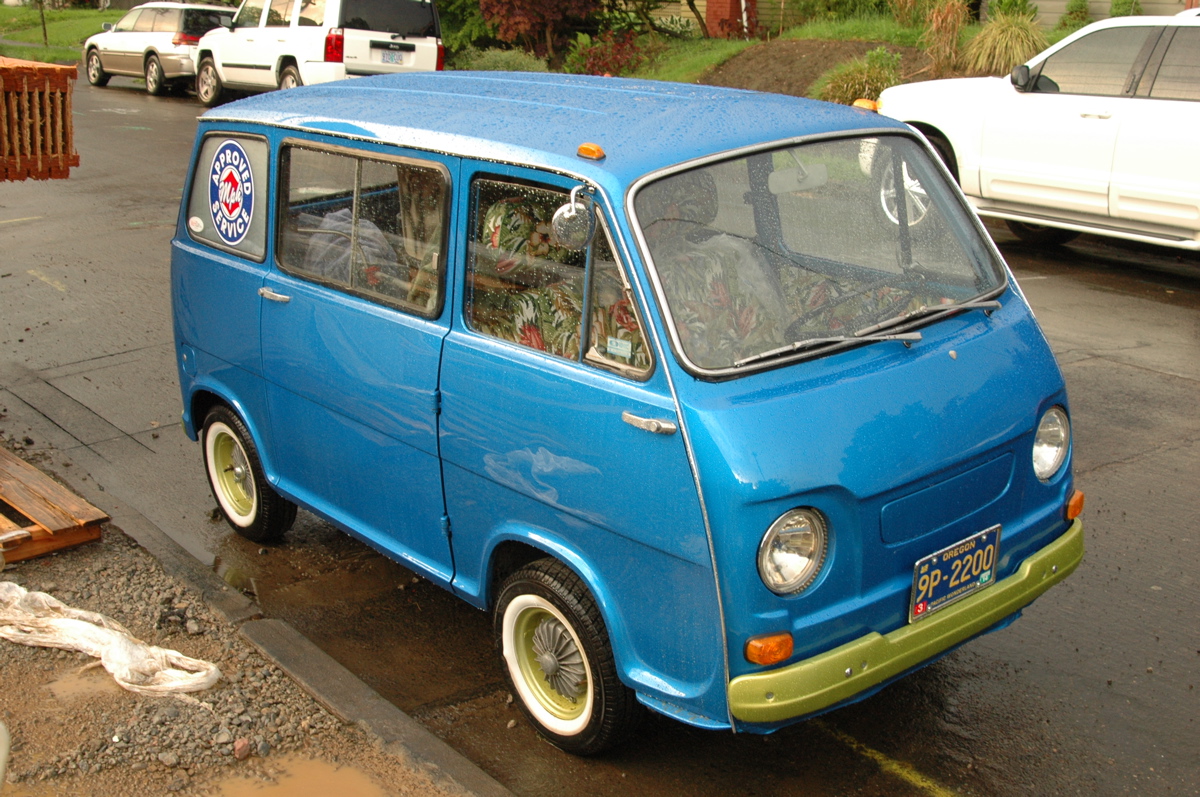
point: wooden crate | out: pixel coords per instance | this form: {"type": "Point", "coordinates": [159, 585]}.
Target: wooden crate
{"type": "Point", "coordinates": [51, 516]}
{"type": "Point", "coordinates": [36, 138]}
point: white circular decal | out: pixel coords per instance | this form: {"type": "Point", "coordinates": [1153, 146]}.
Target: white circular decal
{"type": "Point", "coordinates": [195, 224]}
{"type": "Point", "coordinates": [231, 192]}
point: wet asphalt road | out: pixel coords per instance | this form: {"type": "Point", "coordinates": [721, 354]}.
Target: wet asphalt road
{"type": "Point", "coordinates": [1094, 691]}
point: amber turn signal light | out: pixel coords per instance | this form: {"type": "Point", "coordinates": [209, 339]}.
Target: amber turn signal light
{"type": "Point", "coordinates": [590, 151]}
{"type": "Point", "coordinates": [769, 648]}
{"type": "Point", "coordinates": [1075, 505]}
{"type": "Point", "coordinates": [865, 104]}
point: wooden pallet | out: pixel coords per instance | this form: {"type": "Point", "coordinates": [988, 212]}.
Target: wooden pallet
{"type": "Point", "coordinates": [57, 518]}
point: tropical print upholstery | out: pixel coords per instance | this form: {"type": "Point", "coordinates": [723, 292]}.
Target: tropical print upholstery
{"type": "Point", "coordinates": [525, 288]}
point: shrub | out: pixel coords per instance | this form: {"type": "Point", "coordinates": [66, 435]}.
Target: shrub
{"type": "Point", "coordinates": [808, 10]}
{"type": "Point", "coordinates": [1075, 17]}
{"type": "Point", "coordinates": [498, 60]}
{"type": "Point", "coordinates": [943, 29]}
{"type": "Point", "coordinates": [610, 53]}
{"type": "Point", "coordinates": [1005, 41]}
{"type": "Point", "coordinates": [1125, 8]}
{"type": "Point", "coordinates": [860, 78]}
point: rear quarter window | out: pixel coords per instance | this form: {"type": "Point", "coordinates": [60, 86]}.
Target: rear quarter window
{"type": "Point", "coordinates": [406, 17]}
{"type": "Point", "coordinates": [1179, 75]}
{"type": "Point", "coordinates": [227, 206]}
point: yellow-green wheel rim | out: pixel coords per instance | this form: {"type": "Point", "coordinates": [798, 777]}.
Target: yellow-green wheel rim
{"type": "Point", "coordinates": [232, 472]}
{"type": "Point", "coordinates": [550, 698]}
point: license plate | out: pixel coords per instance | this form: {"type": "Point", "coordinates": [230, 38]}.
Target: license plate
{"type": "Point", "coordinates": [391, 56]}
{"type": "Point", "coordinates": [953, 573]}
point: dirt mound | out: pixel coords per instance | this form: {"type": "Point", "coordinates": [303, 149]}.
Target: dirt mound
{"type": "Point", "coordinates": [790, 67]}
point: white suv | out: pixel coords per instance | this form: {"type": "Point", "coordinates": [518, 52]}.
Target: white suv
{"type": "Point", "coordinates": [285, 43]}
{"type": "Point", "coordinates": [1096, 134]}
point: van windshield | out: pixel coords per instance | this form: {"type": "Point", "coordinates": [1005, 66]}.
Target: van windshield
{"type": "Point", "coordinates": [403, 17]}
{"type": "Point", "coordinates": [793, 251]}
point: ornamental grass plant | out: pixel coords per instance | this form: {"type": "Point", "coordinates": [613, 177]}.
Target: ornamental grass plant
{"type": "Point", "coordinates": [1005, 41]}
{"type": "Point", "coordinates": [943, 32]}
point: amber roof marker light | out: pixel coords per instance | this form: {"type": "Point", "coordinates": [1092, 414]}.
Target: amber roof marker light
{"type": "Point", "coordinates": [593, 152]}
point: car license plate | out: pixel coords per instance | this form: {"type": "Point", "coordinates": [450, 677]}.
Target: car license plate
{"type": "Point", "coordinates": [954, 572]}
{"type": "Point", "coordinates": [392, 56]}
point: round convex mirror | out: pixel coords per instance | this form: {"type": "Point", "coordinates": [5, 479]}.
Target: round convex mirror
{"type": "Point", "coordinates": [574, 223]}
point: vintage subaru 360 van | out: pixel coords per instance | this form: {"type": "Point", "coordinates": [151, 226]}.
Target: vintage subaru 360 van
{"type": "Point", "coordinates": [722, 403]}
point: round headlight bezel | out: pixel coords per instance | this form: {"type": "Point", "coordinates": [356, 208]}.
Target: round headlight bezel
{"type": "Point", "coordinates": [1051, 442]}
{"type": "Point", "coordinates": [800, 521]}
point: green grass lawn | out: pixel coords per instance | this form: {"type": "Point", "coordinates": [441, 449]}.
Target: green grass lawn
{"type": "Point", "coordinates": [65, 29]}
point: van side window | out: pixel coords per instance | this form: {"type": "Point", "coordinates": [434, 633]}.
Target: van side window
{"type": "Point", "coordinates": [227, 206]}
{"type": "Point", "coordinates": [524, 288]}
{"type": "Point", "coordinates": [369, 227]}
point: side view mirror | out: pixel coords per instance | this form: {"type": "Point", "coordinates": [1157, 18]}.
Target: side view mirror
{"type": "Point", "coordinates": [574, 224]}
{"type": "Point", "coordinates": [1020, 77]}
{"type": "Point", "coordinates": [107, 26]}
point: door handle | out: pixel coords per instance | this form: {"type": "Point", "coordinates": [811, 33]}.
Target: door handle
{"type": "Point", "coordinates": [1096, 115]}
{"type": "Point", "coordinates": [267, 293]}
{"type": "Point", "coordinates": [649, 424]}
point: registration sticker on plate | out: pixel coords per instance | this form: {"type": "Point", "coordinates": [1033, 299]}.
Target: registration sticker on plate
{"type": "Point", "coordinates": [953, 573]}
{"type": "Point", "coordinates": [391, 57]}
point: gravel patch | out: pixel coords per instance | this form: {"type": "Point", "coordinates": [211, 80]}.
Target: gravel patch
{"type": "Point", "coordinates": [75, 732]}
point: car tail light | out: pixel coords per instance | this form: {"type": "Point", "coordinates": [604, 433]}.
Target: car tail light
{"type": "Point", "coordinates": [335, 46]}
{"type": "Point", "coordinates": [182, 38]}
{"type": "Point", "coordinates": [441, 62]}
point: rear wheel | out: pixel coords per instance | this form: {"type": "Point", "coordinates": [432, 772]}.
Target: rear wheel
{"type": "Point", "coordinates": [235, 474]}
{"type": "Point", "coordinates": [1041, 235]}
{"type": "Point", "coordinates": [95, 72]}
{"type": "Point", "coordinates": [559, 662]}
{"type": "Point", "coordinates": [156, 84]}
{"type": "Point", "coordinates": [208, 83]}
{"type": "Point", "coordinates": [289, 78]}
{"type": "Point", "coordinates": [945, 152]}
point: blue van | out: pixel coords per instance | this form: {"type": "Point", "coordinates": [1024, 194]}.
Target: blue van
{"type": "Point", "coordinates": [722, 403]}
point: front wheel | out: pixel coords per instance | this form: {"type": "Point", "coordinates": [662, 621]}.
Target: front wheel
{"type": "Point", "coordinates": [235, 474]}
{"type": "Point", "coordinates": [1040, 235]}
{"type": "Point", "coordinates": [95, 71]}
{"type": "Point", "coordinates": [156, 84]}
{"type": "Point", "coordinates": [208, 83]}
{"type": "Point", "coordinates": [559, 662]}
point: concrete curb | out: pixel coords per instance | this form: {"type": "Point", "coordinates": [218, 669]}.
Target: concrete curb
{"type": "Point", "coordinates": [331, 684]}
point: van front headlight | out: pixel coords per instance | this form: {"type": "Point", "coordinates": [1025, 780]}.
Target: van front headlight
{"type": "Point", "coordinates": [792, 551]}
{"type": "Point", "coordinates": [1051, 442]}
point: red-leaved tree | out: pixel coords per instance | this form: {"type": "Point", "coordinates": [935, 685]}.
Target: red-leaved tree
{"type": "Point", "coordinates": [540, 24]}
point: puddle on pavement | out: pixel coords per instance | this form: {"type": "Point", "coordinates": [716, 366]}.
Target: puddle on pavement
{"type": "Point", "coordinates": [90, 682]}
{"type": "Point", "coordinates": [301, 777]}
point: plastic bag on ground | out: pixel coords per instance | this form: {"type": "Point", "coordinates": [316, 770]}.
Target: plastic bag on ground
{"type": "Point", "coordinates": [41, 620]}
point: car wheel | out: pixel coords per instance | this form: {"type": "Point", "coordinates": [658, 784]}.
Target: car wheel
{"type": "Point", "coordinates": [1040, 235]}
{"type": "Point", "coordinates": [559, 662]}
{"type": "Point", "coordinates": [916, 199]}
{"type": "Point", "coordinates": [289, 78]}
{"type": "Point", "coordinates": [208, 83]}
{"type": "Point", "coordinates": [155, 83]}
{"type": "Point", "coordinates": [235, 474]}
{"type": "Point", "coordinates": [95, 72]}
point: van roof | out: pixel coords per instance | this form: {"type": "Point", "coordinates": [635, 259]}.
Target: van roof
{"type": "Point", "coordinates": [541, 119]}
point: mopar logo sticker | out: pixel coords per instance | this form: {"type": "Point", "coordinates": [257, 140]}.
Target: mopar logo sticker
{"type": "Point", "coordinates": [231, 192]}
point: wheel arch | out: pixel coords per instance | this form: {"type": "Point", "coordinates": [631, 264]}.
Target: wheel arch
{"type": "Point", "coordinates": [146, 57]}
{"type": "Point", "coordinates": [938, 140]}
{"type": "Point", "coordinates": [203, 398]}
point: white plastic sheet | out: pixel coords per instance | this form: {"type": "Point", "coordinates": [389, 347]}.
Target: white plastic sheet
{"type": "Point", "coordinates": [41, 620]}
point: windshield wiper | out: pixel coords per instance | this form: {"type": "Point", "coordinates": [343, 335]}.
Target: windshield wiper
{"type": "Point", "coordinates": [813, 343]}
{"type": "Point", "coordinates": [924, 310]}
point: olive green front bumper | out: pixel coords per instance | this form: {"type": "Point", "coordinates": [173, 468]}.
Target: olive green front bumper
{"type": "Point", "coordinates": [821, 681]}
